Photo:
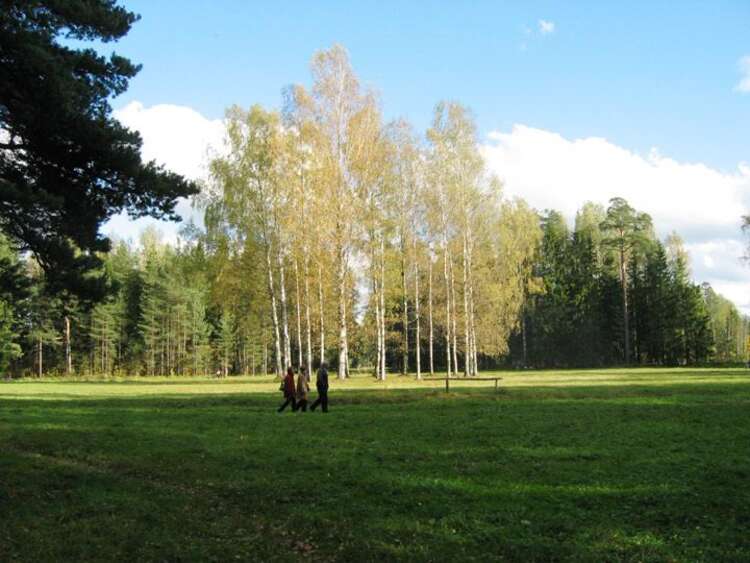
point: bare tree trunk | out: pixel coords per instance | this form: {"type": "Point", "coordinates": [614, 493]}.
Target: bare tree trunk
{"type": "Point", "coordinates": [382, 308]}
{"type": "Point", "coordinates": [343, 344]}
{"type": "Point", "coordinates": [343, 339]}
{"type": "Point", "coordinates": [167, 348]}
{"type": "Point", "coordinates": [447, 311]}
{"type": "Point", "coordinates": [454, 330]}
{"type": "Point", "coordinates": [467, 339]}
{"type": "Point", "coordinates": [379, 342]}
{"type": "Point", "coordinates": [322, 316]}
{"type": "Point", "coordinates": [284, 312]}
{"type": "Point", "coordinates": [105, 342]}
{"type": "Point", "coordinates": [472, 310]}
{"type": "Point", "coordinates": [432, 335]}
{"type": "Point", "coordinates": [375, 274]}
{"type": "Point", "coordinates": [523, 336]}
{"type": "Point", "coordinates": [245, 365]}
{"type": "Point", "coordinates": [405, 312]}
{"type": "Point", "coordinates": [625, 320]}
{"type": "Point", "coordinates": [299, 314]}
{"type": "Point", "coordinates": [68, 357]}
{"type": "Point", "coordinates": [417, 336]}
{"type": "Point", "coordinates": [274, 318]}
{"type": "Point", "coordinates": [308, 328]}
{"type": "Point", "coordinates": [164, 347]}
{"type": "Point", "coordinates": [474, 363]}
{"type": "Point", "coordinates": [195, 346]}
{"type": "Point", "coordinates": [39, 356]}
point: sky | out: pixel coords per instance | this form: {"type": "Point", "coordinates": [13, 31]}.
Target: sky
{"type": "Point", "coordinates": [574, 102]}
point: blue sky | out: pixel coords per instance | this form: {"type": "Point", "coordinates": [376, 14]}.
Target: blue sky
{"type": "Point", "coordinates": [574, 101]}
{"type": "Point", "coordinates": [641, 74]}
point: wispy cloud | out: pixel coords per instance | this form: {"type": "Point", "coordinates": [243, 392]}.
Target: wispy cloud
{"type": "Point", "coordinates": [744, 84]}
{"type": "Point", "coordinates": [546, 27]}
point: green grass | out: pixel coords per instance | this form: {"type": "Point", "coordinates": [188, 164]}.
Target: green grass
{"type": "Point", "coordinates": [632, 465]}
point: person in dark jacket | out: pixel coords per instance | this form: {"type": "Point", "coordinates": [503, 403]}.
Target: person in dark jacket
{"type": "Point", "coordinates": [289, 390]}
{"type": "Point", "coordinates": [321, 383]}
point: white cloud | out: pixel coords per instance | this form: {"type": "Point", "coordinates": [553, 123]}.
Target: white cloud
{"type": "Point", "coordinates": [735, 291]}
{"type": "Point", "coordinates": [701, 203]}
{"type": "Point", "coordinates": [744, 84]}
{"type": "Point", "coordinates": [177, 137]}
{"type": "Point", "coordinates": [546, 27]}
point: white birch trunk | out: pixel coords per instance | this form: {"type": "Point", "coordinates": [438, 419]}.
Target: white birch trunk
{"type": "Point", "coordinates": [405, 311]}
{"type": "Point", "coordinates": [417, 335]}
{"type": "Point", "coordinates": [308, 327]}
{"type": "Point", "coordinates": [343, 338]}
{"type": "Point", "coordinates": [382, 308]}
{"type": "Point", "coordinates": [467, 340]}
{"type": "Point", "coordinates": [374, 274]}
{"type": "Point", "coordinates": [284, 312]}
{"type": "Point", "coordinates": [299, 314]}
{"type": "Point", "coordinates": [432, 334]}
{"type": "Point", "coordinates": [341, 282]}
{"type": "Point", "coordinates": [472, 313]}
{"type": "Point", "coordinates": [379, 342]}
{"type": "Point", "coordinates": [321, 310]}
{"type": "Point", "coordinates": [274, 315]}
{"type": "Point", "coordinates": [447, 311]}
{"type": "Point", "coordinates": [68, 356]}
{"type": "Point", "coordinates": [454, 330]}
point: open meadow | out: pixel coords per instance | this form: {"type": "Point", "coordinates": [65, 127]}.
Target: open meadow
{"type": "Point", "coordinates": [608, 465]}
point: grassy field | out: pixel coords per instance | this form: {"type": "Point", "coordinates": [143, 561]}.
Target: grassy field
{"type": "Point", "coordinates": [631, 465]}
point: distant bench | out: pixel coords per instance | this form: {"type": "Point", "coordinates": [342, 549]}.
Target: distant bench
{"type": "Point", "coordinates": [449, 379]}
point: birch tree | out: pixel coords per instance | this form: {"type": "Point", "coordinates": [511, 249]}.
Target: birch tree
{"type": "Point", "coordinates": [457, 172]}
{"type": "Point", "coordinates": [247, 197]}
{"type": "Point", "coordinates": [335, 105]}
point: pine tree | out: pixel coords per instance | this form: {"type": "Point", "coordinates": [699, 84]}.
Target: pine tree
{"type": "Point", "coordinates": [67, 165]}
{"type": "Point", "coordinates": [625, 230]}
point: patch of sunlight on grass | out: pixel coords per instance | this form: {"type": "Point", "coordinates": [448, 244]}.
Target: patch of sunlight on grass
{"type": "Point", "coordinates": [642, 542]}
{"type": "Point", "coordinates": [55, 389]}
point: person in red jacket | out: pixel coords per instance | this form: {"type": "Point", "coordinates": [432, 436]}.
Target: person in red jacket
{"type": "Point", "coordinates": [287, 387]}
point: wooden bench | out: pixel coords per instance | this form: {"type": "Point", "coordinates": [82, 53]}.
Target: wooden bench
{"type": "Point", "coordinates": [449, 379]}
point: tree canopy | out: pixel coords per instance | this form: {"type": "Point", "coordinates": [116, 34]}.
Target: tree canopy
{"type": "Point", "coordinates": [66, 165]}
{"type": "Point", "coordinates": [330, 236]}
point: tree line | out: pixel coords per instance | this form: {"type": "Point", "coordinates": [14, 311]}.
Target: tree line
{"type": "Point", "coordinates": [331, 235]}
{"type": "Point", "coordinates": [609, 291]}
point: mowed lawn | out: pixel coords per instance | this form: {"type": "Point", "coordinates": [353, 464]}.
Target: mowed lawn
{"type": "Point", "coordinates": [609, 465]}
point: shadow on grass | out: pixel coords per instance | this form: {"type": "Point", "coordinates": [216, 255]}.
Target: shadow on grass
{"type": "Point", "coordinates": [549, 473]}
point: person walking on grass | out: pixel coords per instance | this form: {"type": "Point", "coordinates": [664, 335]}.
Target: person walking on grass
{"type": "Point", "coordinates": [321, 383]}
{"type": "Point", "coordinates": [287, 386]}
{"type": "Point", "coordinates": [302, 388]}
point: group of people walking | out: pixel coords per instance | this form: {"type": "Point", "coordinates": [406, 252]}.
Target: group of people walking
{"type": "Point", "coordinates": [295, 392]}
